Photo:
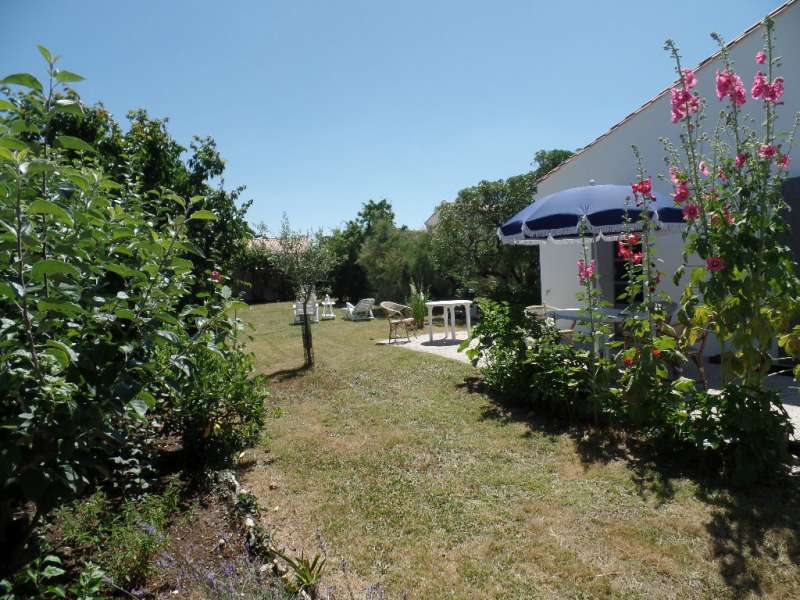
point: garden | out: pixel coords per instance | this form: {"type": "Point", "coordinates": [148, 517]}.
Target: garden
{"type": "Point", "coordinates": [163, 437]}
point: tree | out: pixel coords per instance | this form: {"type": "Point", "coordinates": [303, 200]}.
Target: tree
{"type": "Point", "coordinates": [307, 261]}
{"type": "Point", "coordinates": [350, 277]}
{"type": "Point", "coordinates": [465, 243]}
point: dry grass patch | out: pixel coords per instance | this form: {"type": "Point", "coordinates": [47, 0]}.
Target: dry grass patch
{"type": "Point", "coordinates": [408, 475]}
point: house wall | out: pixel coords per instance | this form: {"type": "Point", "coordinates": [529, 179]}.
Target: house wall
{"type": "Point", "coordinates": [610, 159]}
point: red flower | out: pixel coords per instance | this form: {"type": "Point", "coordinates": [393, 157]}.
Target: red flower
{"type": "Point", "coordinates": [644, 187]}
{"type": "Point", "coordinates": [628, 360]}
{"type": "Point", "coordinates": [691, 212]}
{"type": "Point", "coordinates": [636, 258]}
{"type": "Point", "coordinates": [216, 276]}
{"type": "Point", "coordinates": [714, 263]}
{"type": "Point", "coordinates": [656, 353]}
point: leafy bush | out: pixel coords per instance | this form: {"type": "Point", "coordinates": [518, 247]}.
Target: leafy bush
{"type": "Point", "coordinates": [747, 428]}
{"type": "Point", "coordinates": [99, 323]}
{"type": "Point", "coordinates": [123, 539]}
{"type": "Point", "coordinates": [41, 579]}
{"type": "Point", "coordinates": [416, 300]}
{"type": "Point", "coordinates": [220, 410]}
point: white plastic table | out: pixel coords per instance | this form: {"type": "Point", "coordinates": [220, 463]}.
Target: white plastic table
{"type": "Point", "coordinates": [449, 307]}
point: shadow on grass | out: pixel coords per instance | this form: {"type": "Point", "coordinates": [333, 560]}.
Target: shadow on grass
{"type": "Point", "coordinates": [744, 524]}
{"type": "Point", "coordinates": [287, 374]}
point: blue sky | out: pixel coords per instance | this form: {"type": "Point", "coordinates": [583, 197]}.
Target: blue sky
{"type": "Point", "coordinates": [320, 106]}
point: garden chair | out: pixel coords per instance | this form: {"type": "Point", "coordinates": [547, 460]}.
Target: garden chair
{"type": "Point", "coordinates": [540, 312]}
{"type": "Point", "coordinates": [362, 311]}
{"type": "Point", "coordinates": [398, 317]}
{"type": "Point", "coordinates": [311, 312]}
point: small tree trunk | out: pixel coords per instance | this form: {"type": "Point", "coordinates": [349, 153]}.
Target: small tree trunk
{"type": "Point", "coordinates": [308, 344]}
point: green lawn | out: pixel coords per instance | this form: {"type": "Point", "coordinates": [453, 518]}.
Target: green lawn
{"type": "Point", "coordinates": [414, 479]}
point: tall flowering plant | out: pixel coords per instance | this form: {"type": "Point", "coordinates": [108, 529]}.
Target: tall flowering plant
{"type": "Point", "coordinates": [729, 186]}
{"type": "Point", "coordinates": [645, 348]}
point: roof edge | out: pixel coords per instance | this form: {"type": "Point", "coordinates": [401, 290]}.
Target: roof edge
{"type": "Point", "coordinates": [705, 62]}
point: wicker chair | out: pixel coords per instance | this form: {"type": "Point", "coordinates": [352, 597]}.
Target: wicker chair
{"type": "Point", "coordinates": [397, 315]}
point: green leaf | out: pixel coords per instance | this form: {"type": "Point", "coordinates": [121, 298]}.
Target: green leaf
{"type": "Point", "coordinates": [62, 353]}
{"type": "Point", "coordinates": [5, 154]}
{"type": "Point", "coordinates": [13, 143]}
{"type": "Point", "coordinates": [51, 571]}
{"type": "Point", "coordinates": [203, 215]}
{"type": "Point", "coordinates": [53, 267]}
{"type": "Point", "coordinates": [166, 318]}
{"type": "Point", "coordinates": [72, 143]}
{"type": "Point", "coordinates": [167, 335]}
{"type": "Point", "coordinates": [6, 105]}
{"type": "Point", "coordinates": [121, 270]}
{"type": "Point", "coordinates": [68, 76]}
{"type": "Point", "coordinates": [45, 53]}
{"type": "Point", "coordinates": [24, 79]}
{"type": "Point", "coordinates": [45, 207]}
{"type": "Point", "coordinates": [69, 309]}
{"type": "Point", "coordinates": [139, 406]}
{"type": "Point", "coordinates": [125, 313]}
{"type": "Point", "coordinates": [69, 106]}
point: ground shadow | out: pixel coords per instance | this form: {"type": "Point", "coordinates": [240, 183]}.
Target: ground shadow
{"type": "Point", "coordinates": [287, 374]}
{"type": "Point", "coordinates": [745, 523]}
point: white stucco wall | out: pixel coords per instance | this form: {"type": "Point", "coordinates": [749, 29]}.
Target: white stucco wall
{"type": "Point", "coordinates": [610, 159]}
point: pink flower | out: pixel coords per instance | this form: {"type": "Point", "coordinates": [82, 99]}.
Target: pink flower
{"type": "Point", "coordinates": [683, 104]}
{"type": "Point", "coordinates": [760, 85]}
{"type": "Point", "coordinates": [691, 212]}
{"type": "Point", "coordinates": [730, 84]}
{"type": "Point", "coordinates": [767, 151]}
{"type": "Point", "coordinates": [740, 160]}
{"type": "Point", "coordinates": [761, 57]}
{"type": "Point", "coordinates": [216, 276]}
{"type": "Point", "coordinates": [784, 160]}
{"type": "Point", "coordinates": [762, 88]}
{"type": "Point", "coordinates": [721, 175]}
{"type": "Point", "coordinates": [704, 169]}
{"type": "Point", "coordinates": [681, 192]}
{"type": "Point", "coordinates": [775, 91]}
{"type": "Point", "coordinates": [636, 258]}
{"type": "Point", "coordinates": [585, 272]}
{"type": "Point", "coordinates": [688, 78]}
{"type": "Point", "coordinates": [714, 263]}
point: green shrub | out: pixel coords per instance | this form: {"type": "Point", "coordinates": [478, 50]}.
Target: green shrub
{"type": "Point", "coordinates": [746, 428]}
{"type": "Point", "coordinates": [123, 539]}
{"type": "Point", "coordinates": [98, 316]}
{"type": "Point", "coordinates": [220, 409]}
{"type": "Point", "coordinates": [417, 297]}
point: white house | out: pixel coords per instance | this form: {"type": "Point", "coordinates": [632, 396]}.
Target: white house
{"type": "Point", "coordinates": [609, 158]}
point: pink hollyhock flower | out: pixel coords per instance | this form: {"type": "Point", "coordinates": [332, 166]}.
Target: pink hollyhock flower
{"type": "Point", "coordinates": [683, 104]}
{"type": "Point", "coordinates": [636, 258]}
{"type": "Point", "coordinates": [676, 176]}
{"type": "Point", "coordinates": [721, 175]}
{"type": "Point", "coordinates": [623, 251]}
{"type": "Point", "coordinates": [774, 92]}
{"type": "Point", "coordinates": [767, 151]}
{"type": "Point", "coordinates": [784, 160]}
{"type": "Point", "coordinates": [728, 216]}
{"type": "Point", "coordinates": [729, 84]}
{"type": "Point", "coordinates": [681, 192]}
{"type": "Point", "coordinates": [760, 85]}
{"type": "Point", "coordinates": [714, 263]}
{"type": "Point", "coordinates": [761, 57]}
{"type": "Point", "coordinates": [704, 169]}
{"type": "Point", "coordinates": [216, 276]}
{"type": "Point", "coordinates": [688, 78]}
{"type": "Point", "coordinates": [585, 272]}
{"type": "Point", "coordinates": [691, 212]}
{"type": "Point", "coordinates": [740, 160]}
